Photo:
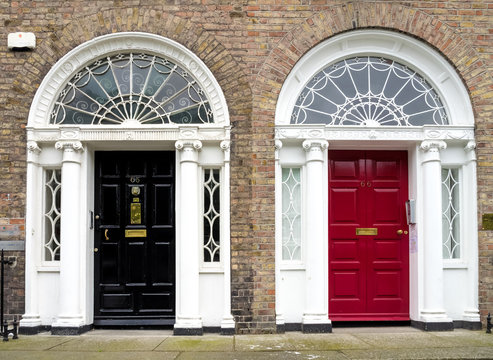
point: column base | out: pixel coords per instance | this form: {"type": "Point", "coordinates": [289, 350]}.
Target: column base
{"type": "Point", "coordinates": [471, 315]}
{"type": "Point", "coordinates": [280, 324]}
{"type": "Point", "coordinates": [433, 320]}
{"type": "Point", "coordinates": [188, 331]}
{"type": "Point", "coordinates": [31, 330]}
{"type": "Point", "coordinates": [30, 325]}
{"type": "Point", "coordinates": [316, 324]}
{"type": "Point", "coordinates": [433, 325]}
{"type": "Point", "coordinates": [316, 328]}
{"type": "Point", "coordinates": [228, 331]}
{"type": "Point", "coordinates": [471, 320]}
{"type": "Point", "coordinates": [228, 326]}
{"type": "Point", "coordinates": [188, 326]}
{"type": "Point", "coordinates": [70, 330]}
{"type": "Point", "coordinates": [69, 325]}
{"type": "Point", "coordinates": [468, 325]}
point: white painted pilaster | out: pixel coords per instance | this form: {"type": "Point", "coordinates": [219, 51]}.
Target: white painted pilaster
{"type": "Point", "coordinates": [470, 241]}
{"type": "Point", "coordinates": [70, 312]}
{"type": "Point", "coordinates": [316, 311]}
{"type": "Point", "coordinates": [433, 310]}
{"type": "Point", "coordinates": [188, 319]}
{"type": "Point", "coordinates": [228, 322]}
{"type": "Point", "coordinates": [280, 321]}
{"type": "Point", "coordinates": [31, 318]}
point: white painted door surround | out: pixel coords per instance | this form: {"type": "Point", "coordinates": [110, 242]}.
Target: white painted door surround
{"type": "Point", "coordinates": [443, 288]}
{"type": "Point", "coordinates": [59, 291]}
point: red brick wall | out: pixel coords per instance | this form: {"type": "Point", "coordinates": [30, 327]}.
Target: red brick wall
{"type": "Point", "coordinates": [250, 46]}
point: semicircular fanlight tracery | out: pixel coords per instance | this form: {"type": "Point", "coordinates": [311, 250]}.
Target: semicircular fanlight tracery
{"type": "Point", "coordinates": [131, 88]}
{"type": "Point", "coordinates": [368, 91]}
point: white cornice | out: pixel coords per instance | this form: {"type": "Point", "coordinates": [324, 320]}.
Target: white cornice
{"type": "Point", "coordinates": [399, 133]}
{"type": "Point", "coordinates": [99, 134]}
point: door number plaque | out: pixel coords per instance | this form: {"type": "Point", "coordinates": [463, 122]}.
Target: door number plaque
{"type": "Point", "coordinates": [366, 231]}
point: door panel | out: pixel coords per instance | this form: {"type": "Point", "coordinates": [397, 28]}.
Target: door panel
{"type": "Point", "coordinates": [135, 238]}
{"type": "Point", "coordinates": [368, 274]}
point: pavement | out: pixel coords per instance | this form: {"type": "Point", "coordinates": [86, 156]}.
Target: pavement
{"type": "Point", "coordinates": [343, 343]}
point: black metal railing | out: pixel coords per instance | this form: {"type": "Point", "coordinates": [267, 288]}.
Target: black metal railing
{"type": "Point", "coordinates": [5, 331]}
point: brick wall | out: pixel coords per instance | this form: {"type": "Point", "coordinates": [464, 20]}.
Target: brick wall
{"type": "Point", "coordinates": [250, 46]}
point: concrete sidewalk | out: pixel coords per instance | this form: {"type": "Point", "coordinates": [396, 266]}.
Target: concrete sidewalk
{"type": "Point", "coordinates": [343, 343]}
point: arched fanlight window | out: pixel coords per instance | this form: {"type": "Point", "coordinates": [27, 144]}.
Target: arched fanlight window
{"type": "Point", "coordinates": [132, 89]}
{"type": "Point", "coordinates": [368, 91]}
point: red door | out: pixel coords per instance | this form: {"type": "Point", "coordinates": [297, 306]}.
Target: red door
{"type": "Point", "coordinates": [368, 240]}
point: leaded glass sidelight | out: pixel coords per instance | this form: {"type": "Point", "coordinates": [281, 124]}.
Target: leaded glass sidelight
{"type": "Point", "coordinates": [131, 88]}
{"type": "Point", "coordinates": [368, 91]}
{"type": "Point", "coordinates": [52, 198]}
{"type": "Point", "coordinates": [450, 214]}
{"type": "Point", "coordinates": [212, 216]}
{"type": "Point", "coordinates": [291, 214]}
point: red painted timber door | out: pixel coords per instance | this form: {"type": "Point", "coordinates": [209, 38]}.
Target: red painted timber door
{"type": "Point", "coordinates": [368, 236]}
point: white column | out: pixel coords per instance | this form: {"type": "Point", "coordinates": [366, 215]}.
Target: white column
{"type": "Point", "coordinates": [188, 319]}
{"type": "Point", "coordinates": [315, 317]}
{"type": "Point", "coordinates": [31, 321]}
{"type": "Point", "coordinates": [470, 242]}
{"type": "Point", "coordinates": [433, 303]}
{"type": "Point", "coordinates": [228, 322]}
{"type": "Point", "coordinates": [70, 319]}
{"type": "Point", "coordinates": [280, 321]}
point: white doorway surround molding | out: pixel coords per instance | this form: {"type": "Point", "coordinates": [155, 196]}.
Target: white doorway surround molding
{"type": "Point", "coordinates": [59, 292]}
{"type": "Point", "coordinates": [435, 280]}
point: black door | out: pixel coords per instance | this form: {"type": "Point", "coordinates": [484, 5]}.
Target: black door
{"type": "Point", "coordinates": [134, 238]}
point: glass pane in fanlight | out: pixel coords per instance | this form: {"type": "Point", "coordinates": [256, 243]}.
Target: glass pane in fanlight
{"type": "Point", "coordinates": [368, 91]}
{"type": "Point", "coordinates": [132, 88]}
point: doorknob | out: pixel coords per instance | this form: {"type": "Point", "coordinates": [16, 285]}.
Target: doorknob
{"type": "Point", "coordinates": [106, 234]}
{"type": "Point", "coordinates": [96, 249]}
{"type": "Point", "coordinates": [399, 232]}
{"type": "Point", "coordinates": [96, 217]}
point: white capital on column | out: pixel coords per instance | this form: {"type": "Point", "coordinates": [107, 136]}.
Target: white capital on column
{"type": "Point", "coordinates": [432, 149]}
{"type": "Point", "coordinates": [33, 150]}
{"type": "Point", "coordinates": [70, 312]}
{"type": "Point", "coordinates": [278, 147]}
{"type": "Point", "coordinates": [226, 148]}
{"type": "Point", "coordinates": [188, 314]}
{"type": "Point", "coordinates": [71, 150]}
{"type": "Point", "coordinates": [433, 305]}
{"type": "Point", "coordinates": [470, 150]}
{"type": "Point", "coordinates": [315, 149]}
{"type": "Point", "coordinates": [316, 244]}
{"type": "Point", "coordinates": [189, 149]}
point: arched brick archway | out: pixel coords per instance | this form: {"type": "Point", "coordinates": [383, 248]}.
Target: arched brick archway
{"type": "Point", "coordinates": [361, 15]}
{"type": "Point", "coordinates": [202, 43]}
